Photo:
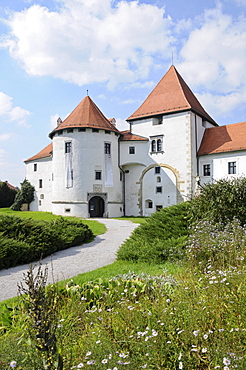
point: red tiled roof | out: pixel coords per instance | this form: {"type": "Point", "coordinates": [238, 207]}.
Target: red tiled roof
{"type": "Point", "coordinates": [46, 152]}
{"type": "Point", "coordinates": [86, 114]}
{"type": "Point", "coordinates": [224, 139]}
{"type": "Point", "coordinates": [128, 136]}
{"type": "Point", "coordinates": [170, 95]}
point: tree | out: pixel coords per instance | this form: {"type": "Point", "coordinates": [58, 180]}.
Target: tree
{"type": "Point", "coordinates": [7, 195]}
{"type": "Point", "coordinates": [24, 196]}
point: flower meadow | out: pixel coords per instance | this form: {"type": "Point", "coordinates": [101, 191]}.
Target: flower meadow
{"type": "Point", "coordinates": [135, 321]}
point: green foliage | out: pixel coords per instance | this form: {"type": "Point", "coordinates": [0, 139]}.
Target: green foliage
{"type": "Point", "coordinates": [221, 201]}
{"type": "Point", "coordinates": [24, 196]}
{"type": "Point", "coordinates": [26, 240]}
{"type": "Point", "coordinates": [160, 238]}
{"type": "Point", "coordinates": [7, 195]}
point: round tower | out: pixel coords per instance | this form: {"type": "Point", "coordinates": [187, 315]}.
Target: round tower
{"type": "Point", "coordinates": [86, 176]}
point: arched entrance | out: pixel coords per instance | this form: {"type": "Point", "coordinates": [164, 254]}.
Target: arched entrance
{"type": "Point", "coordinates": [96, 206]}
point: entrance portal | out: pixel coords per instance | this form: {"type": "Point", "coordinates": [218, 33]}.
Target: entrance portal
{"type": "Point", "coordinates": [96, 207]}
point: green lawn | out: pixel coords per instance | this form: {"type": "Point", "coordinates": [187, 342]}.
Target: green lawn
{"type": "Point", "coordinates": [96, 227]}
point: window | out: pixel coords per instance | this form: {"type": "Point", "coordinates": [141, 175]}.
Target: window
{"type": "Point", "coordinates": [159, 189]}
{"type": "Point", "coordinates": [40, 183]}
{"type": "Point", "coordinates": [158, 179]}
{"type": "Point", "coordinates": [81, 129]}
{"type": "Point", "coordinates": [158, 208]}
{"type": "Point", "coordinates": [131, 149]}
{"type": "Point", "coordinates": [95, 130]}
{"type": "Point", "coordinates": [107, 148]}
{"type": "Point", "coordinates": [157, 170]}
{"type": "Point", "coordinates": [69, 130]}
{"type": "Point", "coordinates": [35, 167]}
{"type": "Point", "coordinates": [206, 170]}
{"type": "Point", "coordinates": [98, 175]}
{"type": "Point", "coordinates": [149, 204]}
{"type": "Point", "coordinates": [159, 145]}
{"type": "Point", "coordinates": [153, 146]}
{"type": "Point", "coordinates": [156, 144]}
{"type": "Point", "coordinates": [232, 168]}
{"type": "Point", "coordinates": [68, 147]}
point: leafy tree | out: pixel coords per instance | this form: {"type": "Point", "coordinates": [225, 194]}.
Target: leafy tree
{"type": "Point", "coordinates": [7, 195]}
{"type": "Point", "coordinates": [24, 196]}
{"type": "Point", "coordinates": [221, 201]}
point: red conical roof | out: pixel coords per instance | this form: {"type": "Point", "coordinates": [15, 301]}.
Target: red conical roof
{"type": "Point", "coordinates": [170, 95]}
{"type": "Point", "coordinates": [86, 114]}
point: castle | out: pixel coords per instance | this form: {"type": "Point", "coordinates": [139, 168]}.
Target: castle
{"type": "Point", "coordinates": [93, 170]}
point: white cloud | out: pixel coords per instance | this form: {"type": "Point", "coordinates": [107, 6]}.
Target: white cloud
{"type": "Point", "coordinates": [214, 59]}
{"type": "Point", "coordinates": [215, 55]}
{"type": "Point", "coordinates": [121, 124]}
{"type": "Point", "coordinates": [89, 40]}
{"type": "Point", "coordinates": [12, 113]}
{"type": "Point", "coordinates": [53, 120]}
{"type": "Point", "coordinates": [5, 137]}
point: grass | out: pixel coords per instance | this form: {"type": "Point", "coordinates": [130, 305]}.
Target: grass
{"type": "Point", "coordinates": [96, 227]}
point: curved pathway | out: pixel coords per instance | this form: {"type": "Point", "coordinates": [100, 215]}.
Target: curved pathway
{"type": "Point", "coordinates": [76, 260]}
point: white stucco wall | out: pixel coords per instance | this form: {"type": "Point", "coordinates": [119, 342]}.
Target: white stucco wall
{"type": "Point", "coordinates": [43, 196]}
{"type": "Point", "coordinates": [87, 158]}
{"type": "Point", "coordinates": [219, 165]}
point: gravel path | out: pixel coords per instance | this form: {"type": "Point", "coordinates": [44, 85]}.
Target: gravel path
{"type": "Point", "coordinates": [75, 260]}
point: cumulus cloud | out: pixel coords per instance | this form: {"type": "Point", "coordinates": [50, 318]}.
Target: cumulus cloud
{"type": "Point", "coordinates": [12, 113]}
{"type": "Point", "coordinates": [214, 59]}
{"type": "Point", "coordinates": [121, 124]}
{"type": "Point", "coordinates": [5, 137]}
{"type": "Point", "coordinates": [89, 40]}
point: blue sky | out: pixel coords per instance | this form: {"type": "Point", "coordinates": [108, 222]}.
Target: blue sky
{"type": "Point", "coordinates": [53, 51]}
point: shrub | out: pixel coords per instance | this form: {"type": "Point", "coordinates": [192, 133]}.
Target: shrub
{"type": "Point", "coordinates": [221, 201]}
{"type": "Point", "coordinates": [25, 195]}
{"type": "Point", "coordinates": [7, 195]}
{"type": "Point", "coordinates": [31, 240]}
{"type": "Point", "coordinates": [162, 237]}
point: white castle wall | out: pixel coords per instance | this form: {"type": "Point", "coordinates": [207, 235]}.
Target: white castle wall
{"type": "Point", "coordinates": [87, 158]}
{"type": "Point", "coordinates": [43, 195]}
{"type": "Point", "coordinates": [219, 165]}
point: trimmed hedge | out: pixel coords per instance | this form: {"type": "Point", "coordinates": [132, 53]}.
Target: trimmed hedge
{"type": "Point", "coordinates": [27, 240]}
{"type": "Point", "coordinates": [162, 237]}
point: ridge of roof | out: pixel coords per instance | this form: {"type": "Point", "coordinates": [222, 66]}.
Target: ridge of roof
{"type": "Point", "coordinates": [171, 94]}
{"type": "Point", "coordinates": [86, 114]}
{"type": "Point", "coordinates": [128, 136]}
{"type": "Point", "coordinates": [228, 138]}
{"type": "Point", "coordinates": [46, 152]}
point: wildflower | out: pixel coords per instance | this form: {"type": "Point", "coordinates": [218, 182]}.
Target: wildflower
{"type": "Point", "coordinates": [104, 361]}
{"type": "Point", "coordinates": [204, 350]}
{"type": "Point", "coordinates": [195, 332]}
{"type": "Point", "coordinates": [205, 336]}
{"type": "Point", "coordinates": [154, 333]}
{"type": "Point", "coordinates": [226, 368]}
{"type": "Point", "coordinates": [98, 341]}
{"type": "Point", "coordinates": [144, 366]}
{"type": "Point", "coordinates": [180, 356]}
{"type": "Point", "coordinates": [88, 353]}
{"type": "Point", "coordinates": [91, 362]}
{"type": "Point", "coordinates": [80, 365]}
{"type": "Point", "coordinates": [226, 361]}
{"type": "Point", "coordinates": [13, 364]}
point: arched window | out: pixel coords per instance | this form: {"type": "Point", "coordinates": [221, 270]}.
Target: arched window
{"type": "Point", "coordinates": [153, 146]}
{"type": "Point", "coordinates": [159, 145]}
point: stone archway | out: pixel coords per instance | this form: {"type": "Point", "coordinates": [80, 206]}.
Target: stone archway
{"type": "Point", "coordinates": [177, 177]}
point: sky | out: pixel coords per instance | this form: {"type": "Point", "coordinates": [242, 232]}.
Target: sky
{"type": "Point", "coordinates": [53, 51]}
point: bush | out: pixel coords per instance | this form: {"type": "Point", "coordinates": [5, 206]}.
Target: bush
{"type": "Point", "coordinates": [162, 237]}
{"type": "Point", "coordinates": [7, 195]}
{"type": "Point", "coordinates": [31, 240]}
{"type": "Point", "coordinates": [221, 201]}
{"type": "Point", "coordinates": [25, 195]}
